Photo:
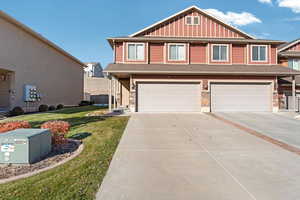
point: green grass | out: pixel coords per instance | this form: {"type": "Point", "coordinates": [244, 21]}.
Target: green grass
{"type": "Point", "coordinates": [81, 177]}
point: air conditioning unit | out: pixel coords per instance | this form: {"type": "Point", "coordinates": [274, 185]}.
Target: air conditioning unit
{"type": "Point", "coordinates": [24, 146]}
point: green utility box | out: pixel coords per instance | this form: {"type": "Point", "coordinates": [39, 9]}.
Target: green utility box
{"type": "Point", "coordinates": [24, 146]}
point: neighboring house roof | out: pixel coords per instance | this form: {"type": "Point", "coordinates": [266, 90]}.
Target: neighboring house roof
{"type": "Point", "coordinates": [203, 69]}
{"type": "Point", "coordinates": [288, 45]}
{"type": "Point", "coordinates": [199, 10]}
{"type": "Point", "coordinates": [93, 63]}
{"type": "Point", "coordinates": [288, 80]}
{"type": "Point", "coordinates": [189, 39]}
{"type": "Point", "coordinates": [295, 54]}
{"type": "Point", "coordinates": [38, 36]}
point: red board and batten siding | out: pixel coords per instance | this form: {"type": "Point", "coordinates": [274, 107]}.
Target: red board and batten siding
{"type": "Point", "coordinates": [273, 55]}
{"type": "Point", "coordinates": [156, 53]}
{"type": "Point", "coordinates": [119, 52]}
{"type": "Point", "coordinates": [198, 54]}
{"type": "Point", "coordinates": [208, 27]}
{"type": "Point", "coordinates": [195, 54]}
{"type": "Point", "coordinates": [239, 54]}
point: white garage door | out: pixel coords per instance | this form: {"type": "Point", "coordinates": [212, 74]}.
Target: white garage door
{"type": "Point", "coordinates": [235, 97]}
{"type": "Point", "coordinates": [169, 97]}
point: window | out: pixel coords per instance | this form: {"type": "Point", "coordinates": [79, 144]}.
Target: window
{"type": "Point", "coordinates": [192, 20]}
{"type": "Point", "coordinates": [177, 52]}
{"type": "Point", "coordinates": [189, 20]}
{"type": "Point", "coordinates": [259, 53]}
{"type": "Point", "coordinates": [220, 53]}
{"type": "Point", "coordinates": [294, 64]}
{"type": "Point", "coordinates": [136, 51]}
{"type": "Point", "coordinates": [196, 20]}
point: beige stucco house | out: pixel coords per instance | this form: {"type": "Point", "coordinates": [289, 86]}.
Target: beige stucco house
{"type": "Point", "coordinates": [28, 60]}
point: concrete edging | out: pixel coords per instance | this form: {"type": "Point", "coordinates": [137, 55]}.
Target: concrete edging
{"type": "Point", "coordinates": [14, 178]}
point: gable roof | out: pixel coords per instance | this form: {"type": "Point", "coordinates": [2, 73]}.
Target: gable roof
{"type": "Point", "coordinates": [38, 36]}
{"type": "Point", "coordinates": [288, 45]}
{"type": "Point", "coordinates": [199, 10]}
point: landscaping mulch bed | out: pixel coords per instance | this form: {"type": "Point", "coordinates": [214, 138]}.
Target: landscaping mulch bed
{"type": "Point", "coordinates": [58, 153]}
{"type": "Point", "coordinates": [97, 113]}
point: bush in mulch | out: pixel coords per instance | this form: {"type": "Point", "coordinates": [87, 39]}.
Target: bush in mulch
{"type": "Point", "coordinates": [58, 129]}
{"type": "Point", "coordinates": [43, 108]}
{"type": "Point", "coordinates": [86, 103]}
{"type": "Point", "coordinates": [16, 111]}
{"type": "Point", "coordinates": [13, 125]}
{"type": "Point", "coordinates": [59, 106]}
{"type": "Point", "coordinates": [51, 108]}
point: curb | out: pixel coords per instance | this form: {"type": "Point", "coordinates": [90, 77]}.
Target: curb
{"type": "Point", "coordinates": [259, 135]}
{"type": "Point", "coordinates": [14, 178]}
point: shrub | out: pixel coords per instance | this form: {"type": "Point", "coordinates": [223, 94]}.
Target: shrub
{"type": "Point", "coordinates": [59, 106]}
{"type": "Point", "coordinates": [58, 129]}
{"type": "Point", "coordinates": [52, 107]}
{"type": "Point", "coordinates": [13, 125]}
{"type": "Point", "coordinates": [84, 103]}
{"type": "Point", "coordinates": [43, 108]}
{"type": "Point", "coordinates": [16, 111]}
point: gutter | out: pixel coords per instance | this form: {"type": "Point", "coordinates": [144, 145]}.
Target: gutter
{"type": "Point", "coordinates": [204, 72]}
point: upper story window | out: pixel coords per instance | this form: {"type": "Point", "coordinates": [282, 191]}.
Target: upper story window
{"type": "Point", "coordinates": [192, 20]}
{"type": "Point", "coordinates": [259, 53]}
{"type": "Point", "coordinates": [136, 51]}
{"type": "Point", "coordinates": [177, 52]}
{"type": "Point", "coordinates": [294, 64]}
{"type": "Point", "coordinates": [220, 52]}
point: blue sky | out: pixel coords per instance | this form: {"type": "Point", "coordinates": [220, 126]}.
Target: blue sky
{"type": "Point", "coordinates": [82, 26]}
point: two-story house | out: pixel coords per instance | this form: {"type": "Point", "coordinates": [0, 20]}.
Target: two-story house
{"type": "Point", "coordinates": [289, 56]}
{"type": "Point", "coordinates": [195, 62]}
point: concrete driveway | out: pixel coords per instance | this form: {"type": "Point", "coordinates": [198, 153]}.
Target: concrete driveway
{"type": "Point", "coordinates": [195, 156]}
{"type": "Point", "coordinates": [279, 126]}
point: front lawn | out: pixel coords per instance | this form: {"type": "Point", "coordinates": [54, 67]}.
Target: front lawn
{"type": "Point", "coordinates": [81, 177]}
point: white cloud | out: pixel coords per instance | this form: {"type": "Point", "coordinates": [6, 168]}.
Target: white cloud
{"type": "Point", "coordinates": [265, 1]}
{"type": "Point", "coordinates": [292, 4]}
{"type": "Point", "coordinates": [233, 18]}
{"type": "Point", "coordinates": [294, 19]}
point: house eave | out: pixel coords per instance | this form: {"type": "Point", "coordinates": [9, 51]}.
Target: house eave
{"type": "Point", "coordinates": [193, 40]}
{"type": "Point", "coordinates": [202, 73]}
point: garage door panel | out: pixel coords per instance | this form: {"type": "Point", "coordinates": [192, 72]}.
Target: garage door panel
{"type": "Point", "coordinates": [231, 97]}
{"type": "Point", "coordinates": [169, 97]}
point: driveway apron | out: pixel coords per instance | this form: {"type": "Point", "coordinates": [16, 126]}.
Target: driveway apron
{"type": "Point", "coordinates": [195, 156]}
